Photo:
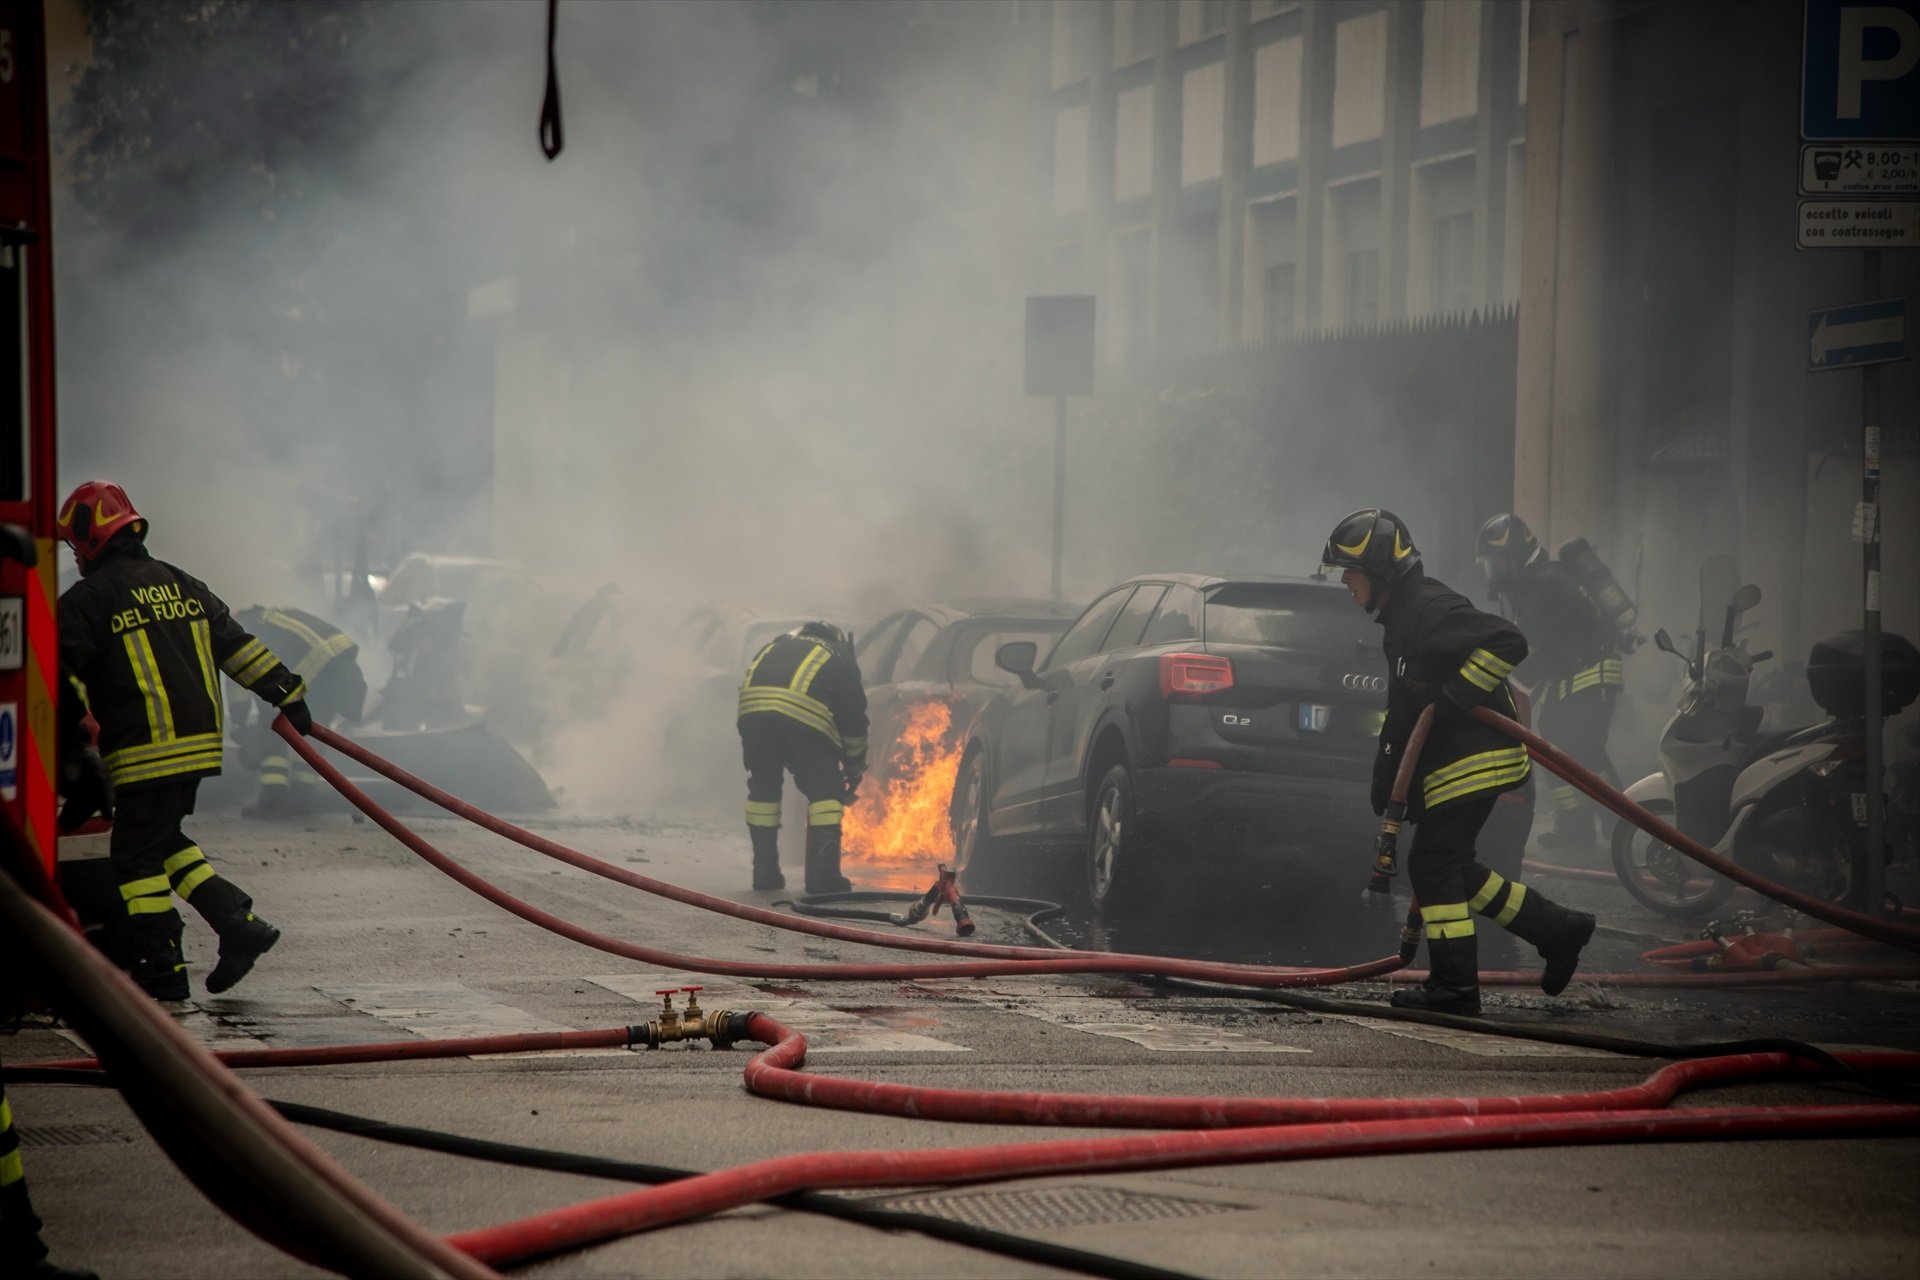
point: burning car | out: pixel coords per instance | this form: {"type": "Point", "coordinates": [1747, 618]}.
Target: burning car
{"type": "Point", "coordinates": [927, 672]}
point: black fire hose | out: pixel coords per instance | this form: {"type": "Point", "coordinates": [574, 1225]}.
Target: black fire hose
{"type": "Point", "coordinates": [1906, 937]}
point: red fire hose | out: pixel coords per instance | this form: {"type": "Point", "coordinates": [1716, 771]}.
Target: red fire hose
{"type": "Point", "coordinates": [1021, 960]}
{"type": "Point", "coordinates": [1904, 936]}
{"type": "Point", "coordinates": [999, 960]}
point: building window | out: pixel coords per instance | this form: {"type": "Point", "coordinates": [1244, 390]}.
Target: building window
{"type": "Point", "coordinates": [1070, 161]}
{"type": "Point", "coordinates": [1278, 298]}
{"type": "Point", "coordinates": [1359, 78]}
{"type": "Point", "coordinates": [1452, 288]}
{"type": "Point", "coordinates": [1129, 17]}
{"type": "Point", "coordinates": [1073, 34]}
{"type": "Point", "coordinates": [1350, 252]}
{"type": "Point", "coordinates": [1133, 143]}
{"type": "Point", "coordinates": [1449, 60]}
{"type": "Point", "coordinates": [1200, 19]}
{"type": "Point", "coordinates": [1203, 104]}
{"type": "Point", "coordinates": [1362, 287]}
{"type": "Point", "coordinates": [1276, 101]}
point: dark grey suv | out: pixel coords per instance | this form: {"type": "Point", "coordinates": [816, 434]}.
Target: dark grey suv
{"type": "Point", "coordinates": [1181, 717]}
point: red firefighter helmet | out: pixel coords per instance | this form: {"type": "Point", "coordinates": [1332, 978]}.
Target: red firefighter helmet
{"type": "Point", "coordinates": [94, 514]}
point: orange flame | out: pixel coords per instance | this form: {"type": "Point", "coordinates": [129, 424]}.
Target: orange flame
{"type": "Point", "coordinates": [902, 830]}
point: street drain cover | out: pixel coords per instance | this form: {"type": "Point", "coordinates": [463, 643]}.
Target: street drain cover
{"type": "Point", "coordinates": [1044, 1207]}
{"type": "Point", "coordinates": [67, 1135]}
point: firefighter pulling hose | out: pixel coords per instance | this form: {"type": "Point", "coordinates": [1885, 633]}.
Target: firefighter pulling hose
{"type": "Point", "coordinates": [1446, 656]}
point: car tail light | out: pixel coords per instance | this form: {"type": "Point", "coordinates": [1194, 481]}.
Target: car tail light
{"type": "Point", "coordinates": [1193, 675]}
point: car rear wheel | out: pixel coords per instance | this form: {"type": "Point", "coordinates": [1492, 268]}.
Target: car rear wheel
{"type": "Point", "coordinates": [974, 847]}
{"type": "Point", "coordinates": [1119, 865]}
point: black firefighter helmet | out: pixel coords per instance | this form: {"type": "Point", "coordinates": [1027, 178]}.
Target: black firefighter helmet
{"type": "Point", "coordinates": [1375, 542]}
{"type": "Point", "coordinates": [1505, 549]}
{"type": "Point", "coordinates": [828, 634]}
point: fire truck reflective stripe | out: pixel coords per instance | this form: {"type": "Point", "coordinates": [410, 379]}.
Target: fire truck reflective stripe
{"type": "Point", "coordinates": [1515, 897]}
{"type": "Point", "coordinates": [146, 674]}
{"type": "Point", "coordinates": [241, 664]}
{"type": "Point", "coordinates": [144, 886]}
{"type": "Point", "coordinates": [808, 711]}
{"type": "Point", "coordinates": [763, 813]}
{"type": "Point", "coordinates": [1488, 891]}
{"type": "Point", "coordinates": [824, 813]}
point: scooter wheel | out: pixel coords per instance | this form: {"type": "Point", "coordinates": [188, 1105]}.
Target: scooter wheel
{"type": "Point", "coordinates": [1662, 878]}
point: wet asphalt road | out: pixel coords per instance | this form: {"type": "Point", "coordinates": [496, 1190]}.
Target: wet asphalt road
{"type": "Point", "coordinates": [380, 947]}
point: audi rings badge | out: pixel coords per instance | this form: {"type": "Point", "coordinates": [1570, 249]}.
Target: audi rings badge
{"type": "Point", "coordinates": [1364, 684]}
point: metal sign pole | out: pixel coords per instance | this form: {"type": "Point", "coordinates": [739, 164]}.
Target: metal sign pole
{"type": "Point", "coordinates": [1059, 491]}
{"type": "Point", "coordinates": [1875, 879]}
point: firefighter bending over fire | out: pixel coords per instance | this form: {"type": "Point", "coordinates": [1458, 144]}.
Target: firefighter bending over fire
{"type": "Point", "coordinates": [803, 710]}
{"type": "Point", "coordinates": [1444, 652]}
{"type": "Point", "coordinates": [328, 660]}
{"type": "Point", "coordinates": [144, 644]}
{"type": "Point", "coordinates": [1575, 674]}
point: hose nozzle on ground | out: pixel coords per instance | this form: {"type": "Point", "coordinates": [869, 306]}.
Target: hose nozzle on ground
{"type": "Point", "coordinates": [945, 891]}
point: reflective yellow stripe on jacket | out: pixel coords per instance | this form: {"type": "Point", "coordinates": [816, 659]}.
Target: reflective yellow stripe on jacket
{"type": "Point", "coordinates": [1482, 771]}
{"type": "Point", "coordinates": [321, 649]}
{"type": "Point", "coordinates": [793, 701]}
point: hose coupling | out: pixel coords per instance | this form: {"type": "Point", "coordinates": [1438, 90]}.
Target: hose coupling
{"type": "Point", "coordinates": [944, 892]}
{"type": "Point", "coordinates": [1386, 851]}
{"type": "Point", "coordinates": [722, 1026]}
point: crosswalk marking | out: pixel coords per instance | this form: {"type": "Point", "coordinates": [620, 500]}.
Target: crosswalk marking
{"type": "Point", "coordinates": [828, 1030]}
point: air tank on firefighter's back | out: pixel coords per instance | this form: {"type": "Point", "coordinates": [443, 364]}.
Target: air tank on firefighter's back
{"type": "Point", "coordinates": [1601, 587]}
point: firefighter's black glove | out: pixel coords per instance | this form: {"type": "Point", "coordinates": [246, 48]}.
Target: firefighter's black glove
{"type": "Point", "coordinates": [1409, 942]}
{"type": "Point", "coordinates": [85, 785]}
{"type": "Point", "coordinates": [298, 716]}
{"type": "Point", "coordinates": [850, 783]}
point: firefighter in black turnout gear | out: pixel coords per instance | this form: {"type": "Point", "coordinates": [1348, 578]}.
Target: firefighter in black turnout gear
{"type": "Point", "coordinates": [1575, 671]}
{"type": "Point", "coordinates": [803, 710]}
{"type": "Point", "coordinates": [144, 644]}
{"type": "Point", "coordinates": [328, 660]}
{"type": "Point", "coordinates": [1441, 651]}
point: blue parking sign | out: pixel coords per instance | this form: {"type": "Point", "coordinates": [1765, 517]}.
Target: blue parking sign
{"type": "Point", "coordinates": [1860, 71]}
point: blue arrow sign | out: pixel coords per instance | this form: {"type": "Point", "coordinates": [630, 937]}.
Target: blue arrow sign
{"type": "Point", "coordinates": [1864, 333]}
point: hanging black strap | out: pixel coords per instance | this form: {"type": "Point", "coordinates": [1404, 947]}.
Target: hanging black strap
{"type": "Point", "coordinates": [552, 136]}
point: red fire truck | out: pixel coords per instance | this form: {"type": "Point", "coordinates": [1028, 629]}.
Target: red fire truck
{"type": "Point", "coordinates": [29, 567]}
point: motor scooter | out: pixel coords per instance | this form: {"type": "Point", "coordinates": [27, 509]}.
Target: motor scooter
{"type": "Point", "coordinates": [1790, 805]}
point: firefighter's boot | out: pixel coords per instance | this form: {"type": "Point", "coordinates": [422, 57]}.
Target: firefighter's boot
{"type": "Point", "coordinates": [244, 938]}
{"type": "Point", "coordinates": [823, 861]}
{"type": "Point", "coordinates": [158, 967]}
{"type": "Point", "coordinates": [766, 858]}
{"type": "Point", "coordinates": [1556, 932]}
{"type": "Point", "coordinates": [1453, 979]}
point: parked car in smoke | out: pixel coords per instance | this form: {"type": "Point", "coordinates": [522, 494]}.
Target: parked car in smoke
{"type": "Point", "coordinates": [1183, 721]}
{"type": "Point", "coordinates": [944, 653]}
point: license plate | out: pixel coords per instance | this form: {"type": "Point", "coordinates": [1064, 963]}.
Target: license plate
{"type": "Point", "coordinates": [1860, 807]}
{"type": "Point", "coordinates": [1314, 719]}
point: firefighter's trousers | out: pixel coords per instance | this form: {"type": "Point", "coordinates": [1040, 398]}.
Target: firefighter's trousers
{"type": "Point", "coordinates": [771, 746]}
{"type": "Point", "coordinates": [1578, 724]}
{"type": "Point", "coordinates": [287, 785]}
{"type": "Point", "coordinates": [1452, 886]}
{"type": "Point", "coordinates": [153, 860]}
{"type": "Point", "coordinates": [19, 1226]}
